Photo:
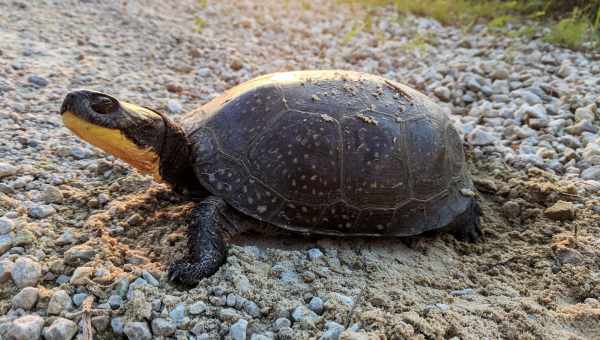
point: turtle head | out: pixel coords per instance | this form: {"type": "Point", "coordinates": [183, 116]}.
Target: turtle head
{"type": "Point", "coordinates": [132, 133]}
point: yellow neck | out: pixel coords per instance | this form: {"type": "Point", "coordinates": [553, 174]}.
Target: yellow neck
{"type": "Point", "coordinates": [114, 142]}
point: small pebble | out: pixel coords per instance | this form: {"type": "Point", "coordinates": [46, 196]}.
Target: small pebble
{"type": "Point", "coordinates": [174, 106]}
{"type": "Point", "coordinates": [78, 298]}
{"type": "Point", "coordinates": [314, 254]}
{"type": "Point", "coordinates": [150, 279]}
{"type": "Point", "coordinates": [115, 301]}
{"type": "Point", "coordinates": [6, 225]}
{"type": "Point", "coordinates": [6, 267]}
{"type": "Point", "coordinates": [163, 327]}
{"type": "Point", "coordinates": [237, 331]}
{"type": "Point", "coordinates": [137, 331]}
{"type": "Point", "coordinates": [7, 170]}
{"type": "Point", "coordinates": [41, 211]}
{"type": "Point", "coordinates": [117, 324]}
{"type": "Point", "coordinates": [462, 292]}
{"type": "Point", "coordinates": [316, 305]}
{"type": "Point", "coordinates": [281, 323]}
{"type": "Point", "coordinates": [38, 81]}
{"type": "Point", "coordinates": [81, 275]}
{"type": "Point", "coordinates": [197, 308]}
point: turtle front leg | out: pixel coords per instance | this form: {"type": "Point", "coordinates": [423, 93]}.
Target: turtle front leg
{"type": "Point", "coordinates": [208, 224]}
{"type": "Point", "coordinates": [467, 227]}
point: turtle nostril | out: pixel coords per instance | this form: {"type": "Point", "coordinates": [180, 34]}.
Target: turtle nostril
{"type": "Point", "coordinates": [103, 104]}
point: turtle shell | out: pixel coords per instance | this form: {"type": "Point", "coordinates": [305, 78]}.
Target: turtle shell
{"type": "Point", "coordinates": [331, 152]}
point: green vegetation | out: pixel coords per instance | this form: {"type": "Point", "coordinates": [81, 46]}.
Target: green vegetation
{"type": "Point", "coordinates": [574, 24]}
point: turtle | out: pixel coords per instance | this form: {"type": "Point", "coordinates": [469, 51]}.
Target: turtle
{"type": "Point", "coordinates": [316, 152]}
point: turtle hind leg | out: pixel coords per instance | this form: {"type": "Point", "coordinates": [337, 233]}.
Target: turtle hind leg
{"type": "Point", "coordinates": [467, 226]}
{"type": "Point", "coordinates": [208, 226]}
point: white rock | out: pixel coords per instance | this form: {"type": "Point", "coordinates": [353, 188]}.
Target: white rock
{"type": "Point", "coordinates": [26, 298]}
{"type": "Point", "coordinates": [61, 329]}
{"type": "Point", "coordinates": [137, 331]}
{"type": "Point", "coordinates": [7, 169]}
{"type": "Point", "coordinates": [6, 267]}
{"type": "Point", "coordinates": [60, 301]}
{"type": "Point", "coordinates": [237, 331]}
{"type": "Point", "coordinates": [479, 136]}
{"type": "Point", "coordinates": [6, 225]}
{"type": "Point", "coordinates": [28, 327]}
{"type": "Point", "coordinates": [26, 272]}
{"type": "Point", "coordinates": [81, 274]}
{"type": "Point", "coordinates": [6, 242]}
{"type": "Point", "coordinates": [174, 106]}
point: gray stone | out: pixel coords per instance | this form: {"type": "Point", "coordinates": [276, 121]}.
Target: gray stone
{"type": "Point", "coordinates": [6, 242]}
{"type": "Point", "coordinates": [26, 298]}
{"type": "Point", "coordinates": [316, 305]}
{"type": "Point", "coordinates": [28, 327]}
{"type": "Point", "coordinates": [121, 286]}
{"type": "Point", "coordinates": [79, 254]}
{"type": "Point", "coordinates": [100, 322]}
{"type": "Point", "coordinates": [462, 292]}
{"type": "Point", "coordinates": [6, 267]}
{"type": "Point", "coordinates": [584, 113]}
{"type": "Point", "coordinates": [7, 170]}
{"type": "Point", "coordinates": [115, 301]}
{"type": "Point", "coordinates": [231, 300]}
{"type": "Point", "coordinates": [78, 298]}
{"type": "Point", "coordinates": [260, 337]}
{"type": "Point", "coordinates": [591, 173]}
{"type": "Point", "coordinates": [26, 272]}
{"type": "Point", "coordinates": [314, 254]}
{"type": "Point", "coordinates": [67, 237]}
{"type": "Point", "coordinates": [174, 106]}
{"type": "Point", "coordinates": [228, 314]}
{"type": "Point", "coordinates": [237, 331]}
{"type": "Point", "coordinates": [581, 127]}
{"type": "Point", "coordinates": [150, 279]}
{"type": "Point", "coordinates": [346, 300]}
{"type": "Point", "coordinates": [6, 225]}
{"type": "Point", "coordinates": [79, 152]}
{"type": "Point", "coordinates": [443, 93]}
{"type": "Point", "coordinates": [41, 211]}
{"type": "Point", "coordinates": [197, 308]}
{"type": "Point", "coordinates": [479, 137]}
{"type": "Point", "coordinates": [38, 81]}
{"type": "Point", "coordinates": [61, 329]}
{"type": "Point", "coordinates": [251, 308]}
{"type": "Point", "coordinates": [281, 323]}
{"type": "Point", "coordinates": [60, 301]}
{"type": "Point", "coordinates": [178, 313]}
{"type": "Point", "coordinates": [332, 331]}
{"type": "Point", "coordinates": [163, 327]}
{"type": "Point", "coordinates": [117, 324]}
{"type": "Point", "coordinates": [442, 306]}
{"type": "Point", "coordinates": [51, 194]}
{"type": "Point", "coordinates": [137, 331]}
{"type": "Point", "coordinates": [81, 275]}
{"type": "Point", "coordinates": [303, 314]}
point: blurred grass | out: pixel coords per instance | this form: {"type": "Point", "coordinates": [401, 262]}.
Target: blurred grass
{"type": "Point", "coordinates": [573, 23]}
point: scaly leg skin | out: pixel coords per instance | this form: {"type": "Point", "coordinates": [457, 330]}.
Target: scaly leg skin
{"type": "Point", "coordinates": [467, 226]}
{"type": "Point", "coordinates": [209, 223]}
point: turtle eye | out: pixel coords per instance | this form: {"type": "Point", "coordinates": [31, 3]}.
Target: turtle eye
{"type": "Point", "coordinates": [103, 104]}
